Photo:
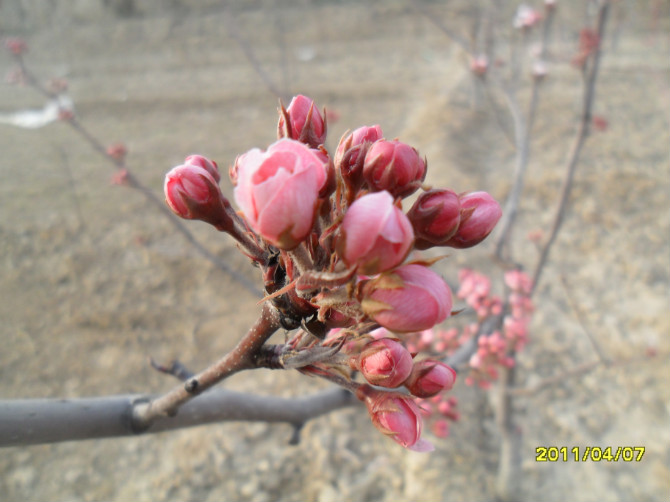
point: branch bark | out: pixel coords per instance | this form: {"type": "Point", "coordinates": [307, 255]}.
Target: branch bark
{"type": "Point", "coordinates": [39, 421]}
{"type": "Point", "coordinates": [523, 136]}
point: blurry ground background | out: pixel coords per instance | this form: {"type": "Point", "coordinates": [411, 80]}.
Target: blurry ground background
{"type": "Point", "coordinates": [93, 280]}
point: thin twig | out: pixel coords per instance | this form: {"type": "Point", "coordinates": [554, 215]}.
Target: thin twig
{"type": "Point", "coordinates": [581, 318]}
{"type": "Point", "coordinates": [133, 182]}
{"type": "Point", "coordinates": [508, 479]}
{"type": "Point", "coordinates": [575, 151]}
{"type": "Point", "coordinates": [175, 369]}
{"type": "Point", "coordinates": [234, 33]}
{"type": "Point", "coordinates": [454, 37]}
{"type": "Point", "coordinates": [577, 371]}
{"type": "Point", "coordinates": [242, 357]}
{"type": "Point", "coordinates": [580, 370]}
{"type": "Point", "coordinates": [523, 134]}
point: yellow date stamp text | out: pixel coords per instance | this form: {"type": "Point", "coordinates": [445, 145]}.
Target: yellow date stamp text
{"type": "Point", "coordinates": [589, 453]}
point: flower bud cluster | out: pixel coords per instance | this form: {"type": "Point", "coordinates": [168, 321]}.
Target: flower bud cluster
{"type": "Point", "coordinates": [439, 410]}
{"type": "Point", "coordinates": [332, 239]}
{"type": "Point", "coordinates": [386, 362]}
{"type": "Point", "coordinates": [475, 289]}
{"type": "Point", "coordinates": [492, 349]}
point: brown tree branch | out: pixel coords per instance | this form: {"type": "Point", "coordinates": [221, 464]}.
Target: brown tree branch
{"type": "Point", "coordinates": [242, 357]}
{"type": "Point", "coordinates": [578, 143]}
{"type": "Point", "coordinates": [523, 136]}
{"type": "Point", "coordinates": [509, 479]}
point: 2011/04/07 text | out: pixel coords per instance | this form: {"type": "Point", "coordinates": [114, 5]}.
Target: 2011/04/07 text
{"type": "Point", "coordinates": [586, 453]}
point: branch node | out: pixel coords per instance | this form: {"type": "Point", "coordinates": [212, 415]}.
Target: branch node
{"type": "Point", "coordinates": [191, 386]}
{"type": "Point", "coordinates": [295, 436]}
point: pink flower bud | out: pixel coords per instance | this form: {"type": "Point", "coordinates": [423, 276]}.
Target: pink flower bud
{"type": "Point", "coordinates": [479, 65]}
{"type": "Point", "coordinates": [435, 217]}
{"type": "Point", "coordinates": [350, 154]}
{"type": "Point", "coordinates": [331, 180]}
{"type": "Point", "coordinates": [278, 190]}
{"type": "Point", "coordinates": [526, 17]}
{"type": "Point", "coordinates": [409, 298]}
{"type": "Point", "coordinates": [16, 45]}
{"type": "Point", "coordinates": [479, 214]}
{"type": "Point", "coordinates": [448, 408]}
{"type": "Point", "coordinates": [440, 428]}
{"type": "Point", "coordinates": [429, 378]}
{"type": "Point", "coordinates": [121, 178]}
{"type": "Point", "coordinates": [302, 121]}
{"type": "Point", "coordinates": [395, 167]}
{"type": "Point", "coordinates": [117, 151]}
{"type": "Point", "coordinates": [539, 70]}
{"type": "Point", "coordinates": [397, 416]}
{"type": "Point", "coordinates": [193, 194]}
{"type": "Point", "coordinates": [384, 362]}
{"type": "Point", "coordinates": [518, 280]}
{"type": "Point", "coordinates": [207, 164]}
{"type": "Point", "coordinates": [376, 235]}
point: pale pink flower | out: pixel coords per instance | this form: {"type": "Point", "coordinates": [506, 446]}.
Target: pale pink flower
{"type": "Point", "coordinates": [278, 190]}
{"type": "Point", "coordinates": [376, 235]}
{"type": "Point", "coordinates": [440, 428]}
